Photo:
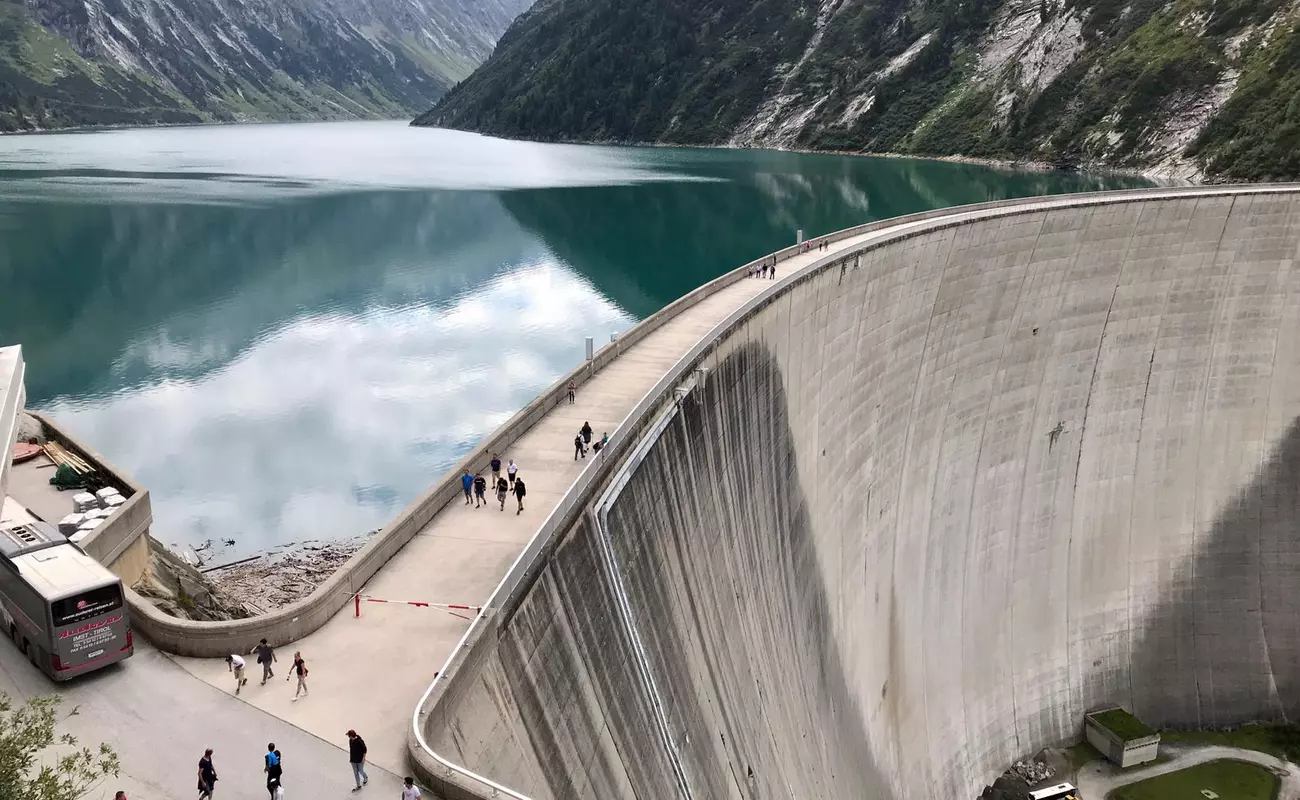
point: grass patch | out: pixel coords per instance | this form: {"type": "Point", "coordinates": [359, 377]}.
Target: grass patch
{"type": "Point", "coordinates": [1231, 780]}
{"type": "Point", "coordinates": [1082, 753]}
{"type": "Point", "coordinates": [1280, 741]}
{"type": "Point", "coordinates": [1123, 724]}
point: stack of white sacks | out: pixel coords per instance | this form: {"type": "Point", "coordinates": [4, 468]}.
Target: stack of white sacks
{"type": "Point", "coordinates": [89, 512]}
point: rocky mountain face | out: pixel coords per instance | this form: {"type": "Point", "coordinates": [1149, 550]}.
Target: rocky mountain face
{"type": "Point", "coordinates": [87, 62]}
{"type": "Point", "coordinates": [1186, 88]}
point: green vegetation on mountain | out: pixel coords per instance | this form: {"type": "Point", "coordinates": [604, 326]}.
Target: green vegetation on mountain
{"type": "Point", "coordinates": [589, 69]}
{"type": "Point", "coordinates": [45, 84]}
{"type": "Point", "coordinates": [138, 62]}
{"type": "Point", "coordinates": [1257, 134]}
{"type": "Point", "coordinates": [1187, 87]}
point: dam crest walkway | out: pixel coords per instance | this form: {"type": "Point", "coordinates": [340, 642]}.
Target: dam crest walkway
{"type": "Point", "coordinates": [368, 672]}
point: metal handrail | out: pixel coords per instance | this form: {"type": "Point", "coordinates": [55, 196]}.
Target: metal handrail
{"type": "Point", "coordinates": [902, 227]}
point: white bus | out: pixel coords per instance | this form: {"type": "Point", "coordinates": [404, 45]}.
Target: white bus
{"type": "Point", "coordinates": [1061, 791]}
{"type": "Point", "coordinates": [62, 608]}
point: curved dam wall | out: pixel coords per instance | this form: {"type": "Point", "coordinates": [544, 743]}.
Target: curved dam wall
{"type": "Point", "coordinates": [928, 503]}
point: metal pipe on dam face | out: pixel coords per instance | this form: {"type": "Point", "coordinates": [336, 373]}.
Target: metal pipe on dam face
{"type": "Point", "coordinates": [928, 502]}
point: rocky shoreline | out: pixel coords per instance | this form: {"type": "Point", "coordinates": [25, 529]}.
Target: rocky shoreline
{"type": "Point", "coordinates": [281, 575]}
{"type": "Point", "coordinates": [247, 587]}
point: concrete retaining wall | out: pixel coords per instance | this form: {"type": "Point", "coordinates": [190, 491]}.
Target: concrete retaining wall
{"type": "Point", "coordinates": [933, 502]}
{"type": "Point", "coordinates": [128, 525]}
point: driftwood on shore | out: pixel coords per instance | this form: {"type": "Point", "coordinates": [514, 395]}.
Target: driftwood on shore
{"type": "Point", "coordinates": [281, 575]}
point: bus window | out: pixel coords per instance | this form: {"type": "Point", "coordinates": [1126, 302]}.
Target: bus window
{"type": "Point", "coordinates": [72, 610]}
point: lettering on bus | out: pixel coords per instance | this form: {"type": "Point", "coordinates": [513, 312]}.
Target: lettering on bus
{"type": "Point", "coordinates": [90, 635]}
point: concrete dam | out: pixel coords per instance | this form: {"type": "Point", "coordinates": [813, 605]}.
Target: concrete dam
{"type": "Point", "coordinates": [909, 514]}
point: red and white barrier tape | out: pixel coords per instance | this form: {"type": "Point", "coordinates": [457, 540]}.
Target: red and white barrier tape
{"type": "Point", "coordinates": [450, 608]}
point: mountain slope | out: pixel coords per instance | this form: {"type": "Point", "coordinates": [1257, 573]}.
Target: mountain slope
{"type": "Point", "coordinates": [1189, 87]}
{"type": "Point", "coordinates": [84, 62]}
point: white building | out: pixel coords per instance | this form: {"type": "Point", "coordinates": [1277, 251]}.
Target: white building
{"type": "Point", "coordinates": [13, 397]}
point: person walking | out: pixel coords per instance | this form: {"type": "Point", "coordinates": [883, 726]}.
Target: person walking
{"type": "Point", "coordinates": [467, 483]}
{"type": "Point", "coordinates": [274, 769]}
{"type": "Point", "coordinates": [265, 657]}
{"type": "Point", "coordinates": [299, 669]}
{"type": "Point", "coordinates": [511, 469]}
{"type": "Point", "coordinates": [586, 432]}
{"type": "Point", "coordinates": [573, 391]}
{"type": "Point", "coordinates": [577, 447]}
{"type": "Point", "coordinates": [357, 758]}
{"type": "Point", "coordinates": [480, 490]}
{"type": "Point", "coordinates": [207, 776]}
{"type": "Point", "coordinates": [236, 664]}
{"type": "Point", "coordinates": [409, 790]}
{"type": "Point", "coordinates": [496, 468]}
{"type": "Point", "coordinates": [520, 491]}
{"type": "Point", "coordinates": [503, 489]}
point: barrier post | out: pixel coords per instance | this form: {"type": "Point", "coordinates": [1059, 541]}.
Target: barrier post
{"type": "Point", "coordinates": [357, 597]}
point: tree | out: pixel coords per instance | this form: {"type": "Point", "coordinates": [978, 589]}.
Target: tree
{"type": "Point", "coordinates": [28, 773]}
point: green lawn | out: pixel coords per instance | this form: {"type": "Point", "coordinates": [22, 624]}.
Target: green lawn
{"type": "Point", "coordinates": [1123, 724]}
{"type": "Point", "coordinates": [1082, 753]}
{"type": "Point", "coordinates": [1230, 780]}
{"type": "Point", "coordinates": [1276, 741]}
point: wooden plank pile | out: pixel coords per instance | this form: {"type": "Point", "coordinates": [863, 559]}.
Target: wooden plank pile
{"type": "Point", "coordinates": [61, 456]}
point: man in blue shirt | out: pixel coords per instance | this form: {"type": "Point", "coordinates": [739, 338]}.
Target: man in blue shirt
{"type": "Point", "coordinates": [273, 769]}
{"type": "Point", "coordinates": [467, 483]}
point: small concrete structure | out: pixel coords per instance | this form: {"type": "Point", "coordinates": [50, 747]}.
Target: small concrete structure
{"type": "Point", "coordinates": [120, 540]}
{"type": "Point", "coordinates": [1121, 737]}
{"type": "Point", "coordinates": [13, 396]}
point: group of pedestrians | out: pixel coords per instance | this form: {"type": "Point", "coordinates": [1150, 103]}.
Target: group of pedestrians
{"type": "Point", "coordinates": [266, 657]}
{"type": "Point", "coordinates": [765, 270]}
{"type": "Point", "coordinates": [476, 486]}
{"type": "Point", "coordinates": [273, 764]}
{"type": "Point", "coordinates": [583, 440]}
{"type": "Point", "coordinates": [273, 768]}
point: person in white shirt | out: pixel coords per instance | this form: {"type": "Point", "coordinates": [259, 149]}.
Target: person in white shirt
{"type": "Point", "coordinates": [235, 664]}
{"type": "Point", "coordinates": [410, 791]}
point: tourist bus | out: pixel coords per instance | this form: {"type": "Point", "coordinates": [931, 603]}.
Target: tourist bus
{"type": "Point", "coordinates": [1061, 791]}
{"type": "Point", "coordinates": [62, 608]}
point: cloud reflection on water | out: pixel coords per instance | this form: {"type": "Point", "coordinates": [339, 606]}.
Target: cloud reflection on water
{"type": "Point", "coordinates": [328, 425]}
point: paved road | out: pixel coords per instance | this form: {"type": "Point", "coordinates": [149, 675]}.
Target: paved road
{"type": "Point", "coordinates": [160, 719]}
{"type": "Point", "coordinates": [1099, 778]}
{"type": "Point", "coordinates": [464, 551]}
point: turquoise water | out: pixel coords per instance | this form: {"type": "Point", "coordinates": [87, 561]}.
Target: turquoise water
{"type": "Point", "coordinates": [289, 331]}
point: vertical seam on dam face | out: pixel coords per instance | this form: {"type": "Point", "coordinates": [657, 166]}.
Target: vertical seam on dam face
{"type": "Point", "coordinates": [599, 522]}
{"type": "Point", "coordinates": [1216, 312]}
{"type": "Point", "coordinates": [743, 618]}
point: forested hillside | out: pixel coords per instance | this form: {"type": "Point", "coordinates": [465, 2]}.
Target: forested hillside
{"type": "Point", "coordinates": [1195, 88]}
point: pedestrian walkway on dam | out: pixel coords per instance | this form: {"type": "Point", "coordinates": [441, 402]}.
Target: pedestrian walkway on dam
{"type": "Point", "coordinates": [368, 673]}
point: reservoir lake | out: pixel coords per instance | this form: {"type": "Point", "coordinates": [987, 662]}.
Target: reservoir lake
{"type": "Point", "coordinates": [287, 332]}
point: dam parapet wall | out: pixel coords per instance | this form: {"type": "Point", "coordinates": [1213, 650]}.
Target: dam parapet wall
{"type": "Point", "coordinates": [927, 503]}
